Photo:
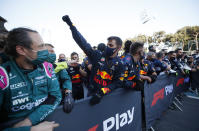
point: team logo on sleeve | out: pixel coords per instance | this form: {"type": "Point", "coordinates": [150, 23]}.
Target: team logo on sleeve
{"type": "Point", "coordinates": [48, 69]}
{"type": "Point", "coordinates": [4, 80]}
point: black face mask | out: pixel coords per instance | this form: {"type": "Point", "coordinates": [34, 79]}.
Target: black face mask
{"type": "Point", "coordinates": [189, 62]}
{"type": "Point", "coordinates": [179, 56]}
{"type": "Point", "coordinates": [110, 51]}
{"type": "Point", "coordinates": [172, 58]}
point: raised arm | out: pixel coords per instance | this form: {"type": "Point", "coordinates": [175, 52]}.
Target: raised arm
{"type": "Point", "coordinates": [79, 39]}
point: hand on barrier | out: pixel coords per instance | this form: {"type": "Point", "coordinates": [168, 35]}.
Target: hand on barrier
{"type": "Point", "coordinates": [68, 103]}
{"type": "Point", "coordinates": [130, 84]}
{"type": "Point", "coordinates": [172, 72]}
{"type": "Point", "coordinates": [66, 19]}
{"type": "Point", "coordinates": [44, 126]}
{"type": "Point", "coordinates": [153, 78]}
{"type": "Point", "coordinates": [149, 79]}
{"type": "Point", "coordinates": [25, 122]}
{"type": "Point", "coordinates": [139, 85]}
{"type": "Point", "coordinates": [96, 98]}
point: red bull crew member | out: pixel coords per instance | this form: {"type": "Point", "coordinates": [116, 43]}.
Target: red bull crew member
{"type": "Point", "coordinates": [147, 71]}
{"type": "Point", "coordinates": [76, 73]}
{"type": "Point", "coordinates": [132, 66]}
{"type": "Point", "coordinates": [107, 69]}
{"type": "Point", "coordinates": [127, 45]}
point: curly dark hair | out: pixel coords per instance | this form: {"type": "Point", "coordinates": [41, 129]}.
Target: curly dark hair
{"type": "Point", "coordinates": [135, 46]}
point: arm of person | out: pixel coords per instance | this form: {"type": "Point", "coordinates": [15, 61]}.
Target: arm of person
{"type": "Point", "coordinates": [44, 126]}
{"type": "Point", "coordinates": [193, 70]}
{"type": "Point", "coordinates": [79, 39]}
{"type": "Point", "coordinates": [24, 128]}
{"type": "Point", "coordinates": [152, 69]}
{"type": "Point", "coordinates": [154, 73]}
{"type": "Point", "coordinates": [146, 78]}
{"type": "Point", "coordinates": [82, 72]}
{"type": "Point", "coordinates": [49, 105]}
{"type": "Point", "coordinates": [89, 67]}
{"type": "Point", "coordinates": [179, 67]}
{"type": "Point", "coordinates": [165, 66]}
{"type": "Point", "coordinates": [65, 78]}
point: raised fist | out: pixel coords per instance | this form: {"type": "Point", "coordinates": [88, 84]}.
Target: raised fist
{"type": "Point", "coordinates": [67, 20]}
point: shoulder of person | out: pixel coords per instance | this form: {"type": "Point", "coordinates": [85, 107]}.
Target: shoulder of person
{"type": "Point", "coordinates": [48, 67]}
{"type": "Point", "coordinates": [4, 77]}
{"type": "Point", "coordinates": [127, 59]}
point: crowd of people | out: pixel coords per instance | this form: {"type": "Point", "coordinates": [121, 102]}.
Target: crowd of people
{"type": "Point", "coordinates": [33, 84]}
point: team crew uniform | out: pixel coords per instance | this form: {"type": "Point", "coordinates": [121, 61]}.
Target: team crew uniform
{"type": "Point", "coordinates": [63, 78]}
{"type": "Point", "coordinates": [106, 73]}
{"type": "Point", "coordinates": [84, 66]}
{"type": "Point", "coordinates": [86, 79]}
{"type": "Point", "coordinates": [77, 85]}
{"type": "Point", "coordinates": [132, 72]}
{"type": "Point", "coordinates": [159, 66]}
{"type": "Point", "coordinates": [28, 93]}
{"type": "Point", "coordinates": [147, 69]}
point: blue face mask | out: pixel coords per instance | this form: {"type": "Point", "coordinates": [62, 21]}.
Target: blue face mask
{"type": "Point", "coordinates": [42, 56]}
{"type": "Point", "coordinates": [109, 51]}
{"type": "Point", "coordinates": [61, 60]}
{"type": "Point", "coordinates": [51, 58]}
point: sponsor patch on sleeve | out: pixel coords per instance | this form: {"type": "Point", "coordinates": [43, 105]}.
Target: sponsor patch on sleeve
{"type": "Point", "coordinates": [4, 80]}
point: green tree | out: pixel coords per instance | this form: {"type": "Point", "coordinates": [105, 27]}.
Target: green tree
{"type": "Point", "coordinates": [140, 38]}
{"type": "Point", "coordinates": [187, 34]}
{"type": "Point", "coordinates": [150, 39]}
{"type": "Point", "coordinates": [159, 36]}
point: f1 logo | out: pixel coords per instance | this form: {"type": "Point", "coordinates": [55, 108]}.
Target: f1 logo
{"type": "Point", "coordinates": [94, 128]}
